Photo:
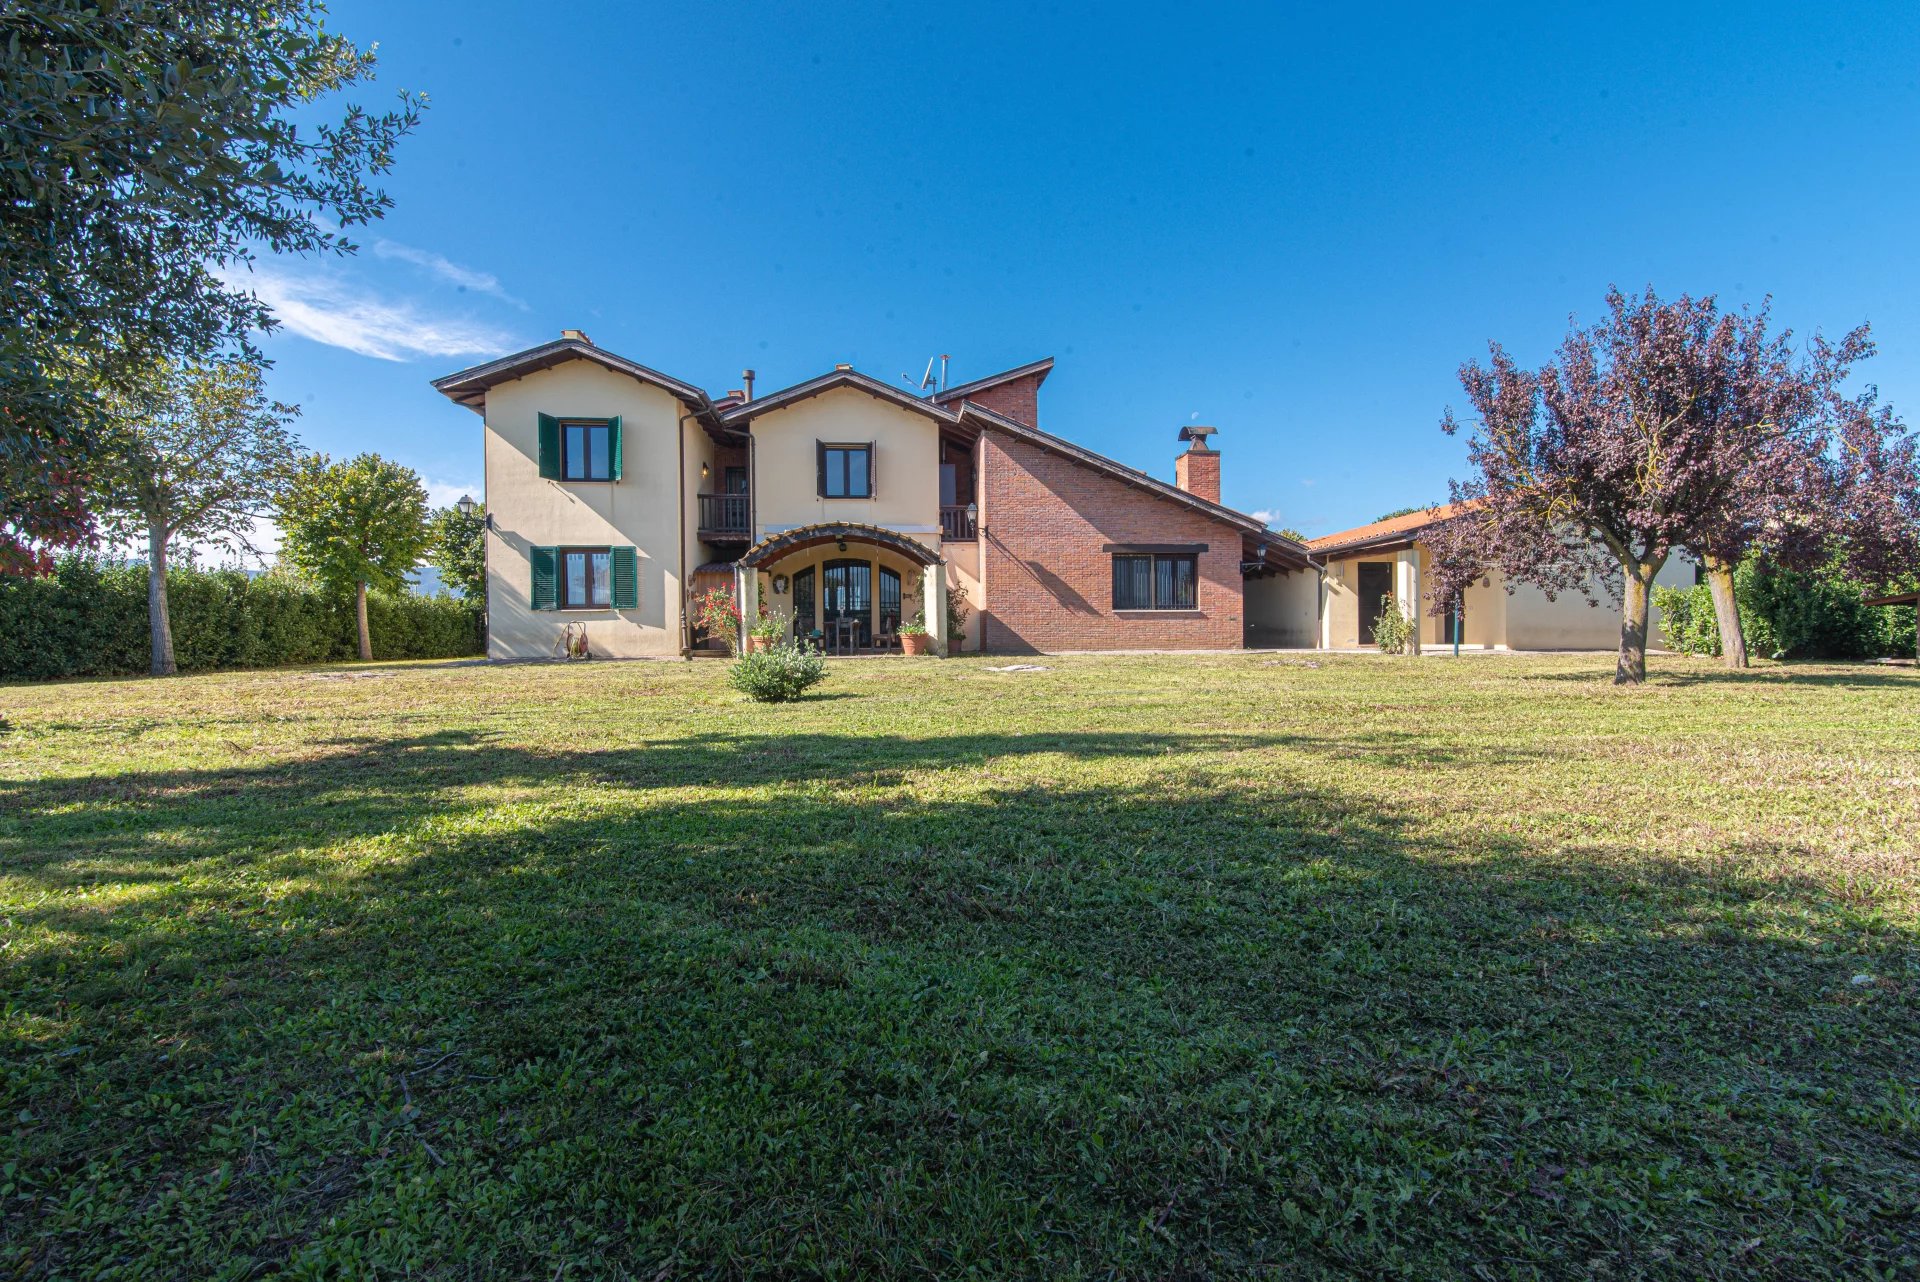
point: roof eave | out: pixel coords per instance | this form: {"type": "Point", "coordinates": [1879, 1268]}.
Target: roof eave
{"type": "Point", "coordinates": [747, 411]}
{"type": "Point", "coordinates": [1042, 367]}
{"type": "Point", "coordinates": [1127, 475]}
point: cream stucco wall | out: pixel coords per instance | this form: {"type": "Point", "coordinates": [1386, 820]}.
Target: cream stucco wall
{"type": "Point", "coordinates": [1283, 611]}
{"type": "Point", "coordinates": [641, 510]}
{"type": "Point", "coordinates": [1572, 623]}
{"type": "Point", "coordinates": [906, 464]}
{"type": "Point", "coordinates": [1495, 619]}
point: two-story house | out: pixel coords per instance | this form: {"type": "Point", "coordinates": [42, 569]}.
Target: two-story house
{"type": "Point", "coordinates": [845, 504]}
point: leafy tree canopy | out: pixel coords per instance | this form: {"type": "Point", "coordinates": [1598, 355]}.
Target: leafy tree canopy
{"type": "Point", "coordinates": [149, 149]}
{"type": "Point", "coordinates": [459, 551]}
{"type": "Point", "coordinates": [195, 452]}
{"type": "Point", "coordinates": [359, 521]}
{"type": "Point", "coordinates": [1404, 511]}
{"type": "Point", "coordinates": [1668, 425]}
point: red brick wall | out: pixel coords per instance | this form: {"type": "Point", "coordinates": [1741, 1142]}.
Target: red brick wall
{"type": "Point", "coordinates": [1049, 584]}
{"type": "Point", "coordinates": [1018, 399]}
{"type": "Point", "coordinates": [1198, 472]}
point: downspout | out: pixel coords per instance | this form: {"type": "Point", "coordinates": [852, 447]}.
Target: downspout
{"type": "Point", "coordinates": [680, 535]}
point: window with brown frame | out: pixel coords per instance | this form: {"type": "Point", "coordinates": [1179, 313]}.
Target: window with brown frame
{"type": "Point", "coordinates": [846, 471]}
{"type": "Point", "coordinates": [586, 578]}
{"type": "Point", "coordinates": [586, 451]}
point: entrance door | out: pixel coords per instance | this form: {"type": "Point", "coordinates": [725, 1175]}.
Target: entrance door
{"type": "Point", "coordinates": [1376, 585]}
{"type": "Point", "coordinates": [846, 592]}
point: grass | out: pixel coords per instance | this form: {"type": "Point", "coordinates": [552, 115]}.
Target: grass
{"type": "Point", "coordinates": [1136, 967]}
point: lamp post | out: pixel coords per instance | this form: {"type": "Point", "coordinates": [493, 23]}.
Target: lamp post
{"type": "Point", "coordinates": [465, 505]}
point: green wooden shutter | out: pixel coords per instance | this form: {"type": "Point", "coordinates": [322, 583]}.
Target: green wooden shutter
{"type": "Point", "coordinates": [626, 578]}
{"type": "Point", "coordinates": [613, 445]}
{"type": "Point", "coordinates": [546, 583]}
{"type": "Point", "coordinates": [549, 447]}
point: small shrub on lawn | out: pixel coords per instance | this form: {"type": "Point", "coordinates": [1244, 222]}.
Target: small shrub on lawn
{"type": "Point", "coordinates": [1392, 631]}
{"type": "Point", "coordinates": [777, 674]}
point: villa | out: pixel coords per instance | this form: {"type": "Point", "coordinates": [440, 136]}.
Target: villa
{"type": "Point", "coordinates": [844, 506]}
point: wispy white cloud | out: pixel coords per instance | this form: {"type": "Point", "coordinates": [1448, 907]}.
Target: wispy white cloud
{"type": "Point", "coordinates": [1264, 516]}
{"type": "Point", "coordinates": [447, 493]}
{"type": "Point", "coordinates": [439, 265]}
{"type": "Point", "coordinates": [323, 305]}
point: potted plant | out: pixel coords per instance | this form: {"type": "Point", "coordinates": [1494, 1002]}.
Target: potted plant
{"type": "Point", "coordinates": [764, 633]}
{"type": "Point", "coordinates": [913, 635]}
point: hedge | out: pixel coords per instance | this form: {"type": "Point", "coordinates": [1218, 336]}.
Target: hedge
{"type": "Point", "coordinates": [1788, 615]}
{"type": "Point", "coordinates": [89, 618]}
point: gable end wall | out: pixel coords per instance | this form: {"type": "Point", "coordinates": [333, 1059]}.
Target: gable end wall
{"type": "Point", "coordinates": [1049, 581]}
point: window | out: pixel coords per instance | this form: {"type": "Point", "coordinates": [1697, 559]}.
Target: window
{"type": "Point", "coordinates": [579, 449]}
{"type": "Point", "coordinates": [586, 451]}
{"type": "Point", "coordinates": [586, 578]}
{"type": "Point", "coordinates": [1160, 581]}
{"type": "Point", "coordinates": [736, 480]}
{"type": "Point", "coordinates": [846, 471]}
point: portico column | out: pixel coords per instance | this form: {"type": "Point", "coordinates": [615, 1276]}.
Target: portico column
{"type": "Point", "coordinates": [1406, 590]}
{"type": "Point", "coordinates": [935, 579]}
{"type": "Point", "coordinates": [746, 592]}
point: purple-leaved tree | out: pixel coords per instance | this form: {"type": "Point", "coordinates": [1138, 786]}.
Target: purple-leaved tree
{"type": "Point", "coordinates": [1672, 425]}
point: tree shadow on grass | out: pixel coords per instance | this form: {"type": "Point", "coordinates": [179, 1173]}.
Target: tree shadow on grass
{"type": "Point", "coordinates": [791, 1004]}
{"type": "Point", "coordinates": [1813, 673]}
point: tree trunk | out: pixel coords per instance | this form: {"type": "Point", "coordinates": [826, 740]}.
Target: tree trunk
{"type": "Point", "coordinates": [159, 626]}
{"type": "Point", "coordinates": [1631, 668]}
{"type": "Point", "coordinates": [360, 608]}
{"type": "Point", "coordinates": [1726, 612]}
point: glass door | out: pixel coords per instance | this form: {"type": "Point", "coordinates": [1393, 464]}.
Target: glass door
{"type": "Point", "coordinates": [803, 624]}
{"type": "Point", "coordinates": [846, 592]}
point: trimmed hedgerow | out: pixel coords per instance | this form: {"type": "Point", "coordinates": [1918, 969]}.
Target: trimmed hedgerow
{"type": "Point", "coordinates": [89, 618]}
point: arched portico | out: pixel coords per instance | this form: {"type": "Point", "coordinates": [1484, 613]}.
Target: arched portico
{"type": "Point", "coordinates": [834, 543]}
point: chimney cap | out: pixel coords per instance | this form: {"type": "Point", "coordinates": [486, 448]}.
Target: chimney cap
{"type": "Point", "coordinates": [842, 367]}
{"type": "Point", "coordinates": [1197, 434]}
{"type": "Point", "coordinates": [577, 335]}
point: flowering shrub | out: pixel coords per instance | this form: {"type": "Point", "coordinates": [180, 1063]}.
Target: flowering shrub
{"type": "Point", "coordinates": [714, 611]}
{"type": "Point", "coordinates": [777, 674]}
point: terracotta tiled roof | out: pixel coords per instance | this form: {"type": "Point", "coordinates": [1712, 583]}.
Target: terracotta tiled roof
{"type": "Point", "coordinates": [1398, 528]}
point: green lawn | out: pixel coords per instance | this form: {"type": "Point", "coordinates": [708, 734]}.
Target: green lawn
{"type": "Point", "coordinates": [1136, 967]}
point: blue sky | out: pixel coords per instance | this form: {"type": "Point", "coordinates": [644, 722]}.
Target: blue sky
{"type": "Point", "coordinates": [1292, 226]}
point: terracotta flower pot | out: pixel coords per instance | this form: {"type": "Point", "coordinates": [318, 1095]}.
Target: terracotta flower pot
{"type": "Point", "coordinates": [757, 643]}
{"type": "Point", "coordinates": [914, 642]}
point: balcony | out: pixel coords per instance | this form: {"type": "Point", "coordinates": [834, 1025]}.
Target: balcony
{"type": "Point", "coordinates": [956, 523]}
{"type": "Point", "coordinates": [725, 518]}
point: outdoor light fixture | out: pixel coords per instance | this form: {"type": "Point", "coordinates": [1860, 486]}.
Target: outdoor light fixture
{"type": "Point", "coordinates": [465, 505]}
{"type": "Point", "coordinates": [973, 513]}
{"type": "Point", "coordinates": [705, 471]}
{"type": "Point", "coordinates": [841, 543]}
{"type": "Point", "coordinates": [779, 585]}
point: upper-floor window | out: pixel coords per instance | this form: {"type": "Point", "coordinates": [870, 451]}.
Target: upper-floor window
{"type": "Point", "coordinates": [846, 471]}
{"type": "Point", "coordinates": [580, 449]}
{"type": "Point", "coordinates": [1162, 581]}
{"type": "Point", "coordinates": [586, 451]}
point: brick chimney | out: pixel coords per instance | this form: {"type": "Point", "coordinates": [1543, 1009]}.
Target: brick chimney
{"type": "Point", "coordinates": [1198, 470]}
